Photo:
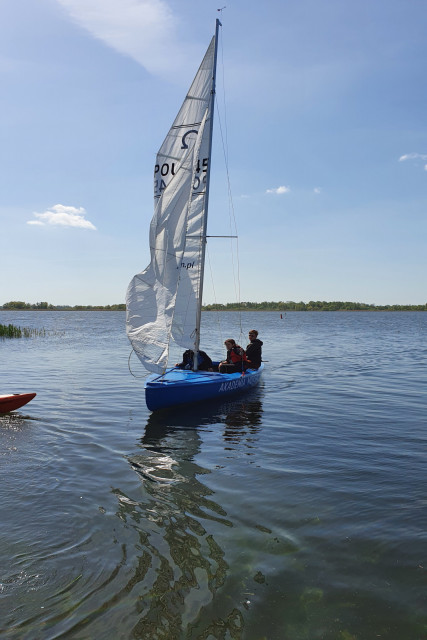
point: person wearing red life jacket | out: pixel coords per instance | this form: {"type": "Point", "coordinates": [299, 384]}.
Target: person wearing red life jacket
{"type": "Point", "coordinates": [236, 358]}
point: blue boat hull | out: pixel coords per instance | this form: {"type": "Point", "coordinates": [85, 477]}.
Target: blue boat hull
{"type": "Point", "coordinates": [178, 386]}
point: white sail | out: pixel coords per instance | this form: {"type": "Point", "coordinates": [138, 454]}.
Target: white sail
{"type": "Point", "coordinates": [162, 301]}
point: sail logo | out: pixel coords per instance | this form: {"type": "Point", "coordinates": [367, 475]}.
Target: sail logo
{"type": "Point", "coordinates": [186, 265]}
{"type": "Point", "coordinates": [184, 138]}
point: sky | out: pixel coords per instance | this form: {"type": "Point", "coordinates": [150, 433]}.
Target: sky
{"type": "Point", "coordinates": [321, 108]}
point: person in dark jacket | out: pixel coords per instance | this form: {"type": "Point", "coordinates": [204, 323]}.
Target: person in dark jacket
{"type": "Point", "coordinates": [253, 350]}
{"type": "Point", "coordinates": [204, 363]}
{"type": "Point", "coordinates": [236, 358]}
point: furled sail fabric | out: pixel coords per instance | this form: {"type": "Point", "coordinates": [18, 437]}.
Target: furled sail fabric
{"type": "Point", "coordinates": [162, 300]}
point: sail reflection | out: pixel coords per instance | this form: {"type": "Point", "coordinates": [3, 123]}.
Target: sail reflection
{"type": "Point", "coordinates": [182, 562]}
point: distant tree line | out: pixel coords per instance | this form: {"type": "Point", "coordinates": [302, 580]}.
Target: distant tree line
{"type": "Point", "coordinates": [234, 306]}
{"type": "Point", "coordinates": [45, 306]}
{"type": "Point", "coordinates": [312, 306]}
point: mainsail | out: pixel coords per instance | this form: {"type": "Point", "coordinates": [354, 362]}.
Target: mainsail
{"type": "Point", "coordinates": [164, 300]}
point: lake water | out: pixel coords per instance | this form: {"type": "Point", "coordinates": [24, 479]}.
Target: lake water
{"type": "Point", "coordinates": [296, 512]}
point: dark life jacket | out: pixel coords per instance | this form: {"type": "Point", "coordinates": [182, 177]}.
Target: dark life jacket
{"type": "Point", "coordinates": [254, 353]}
{"type": "Point", "coordinates": [203, 361]}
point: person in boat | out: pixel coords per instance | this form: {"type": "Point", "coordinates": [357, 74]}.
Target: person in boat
{"type": "Point", "coordinates": [236, 358]}
{"type": "Point", "coordinates": [204, 363]}
{"type": "Point", "coordinates": [254, 350]}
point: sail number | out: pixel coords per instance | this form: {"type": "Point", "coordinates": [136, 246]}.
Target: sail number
{"type": "Point", "coordinates": [200, 174]}
{"type": "Point", "coordinates": [165, 172]}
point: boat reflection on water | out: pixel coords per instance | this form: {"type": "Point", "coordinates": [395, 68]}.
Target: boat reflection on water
{"type": "Point", "coordinates": [183, 574]}
{"type": "Point", "coordinates": [240, 417]}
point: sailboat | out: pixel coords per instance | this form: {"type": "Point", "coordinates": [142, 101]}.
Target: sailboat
{"type": "Point", "coordinates": [164, 302]}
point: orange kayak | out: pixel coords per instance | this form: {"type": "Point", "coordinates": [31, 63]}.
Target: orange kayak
{"type": "Point", "coordinates": [14, 401]}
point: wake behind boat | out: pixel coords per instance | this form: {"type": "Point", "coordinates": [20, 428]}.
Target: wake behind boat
{"type": "Point", "coordinates": [14, 401]}
{"type": "Point", "coordinates": [164, 302]}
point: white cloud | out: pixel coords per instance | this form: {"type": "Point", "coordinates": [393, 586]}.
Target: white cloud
{"type": "Point", "coordinates": [145, 30]}
{"type": "Point", "coordinates": [63, 216]}
{"type": "Point", "coordinates": [279, 190]}
{"type": "Point", "coordinates": [413, 156]}
{"type": "Point", "coordinates": [317, 190]}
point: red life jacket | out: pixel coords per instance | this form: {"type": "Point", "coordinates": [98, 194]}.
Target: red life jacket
{"type": "Point", "coordinates": [235, 357]}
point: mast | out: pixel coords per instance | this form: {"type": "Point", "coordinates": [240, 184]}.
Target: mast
{"type": "Point", "coordinates": [205, 221]}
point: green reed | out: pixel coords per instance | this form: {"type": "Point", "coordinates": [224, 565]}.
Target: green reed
{"type": "Point", "coordinates": [12, 331]}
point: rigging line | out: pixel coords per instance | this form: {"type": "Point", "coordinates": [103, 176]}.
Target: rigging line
{"type": "Point", "coordinates": [230, 196]}
{"type": "Point", "coordinates": [217, 312]}
{"type": "Point", "coordinates": [235, 263]}
{"type": "Point", "coordinates": [223, 94]}
{"type": "Point", "coordinates": [131, 372]}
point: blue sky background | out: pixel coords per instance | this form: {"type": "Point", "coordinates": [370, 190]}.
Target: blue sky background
{"type": "Point", "coordinates": [327, 144]}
